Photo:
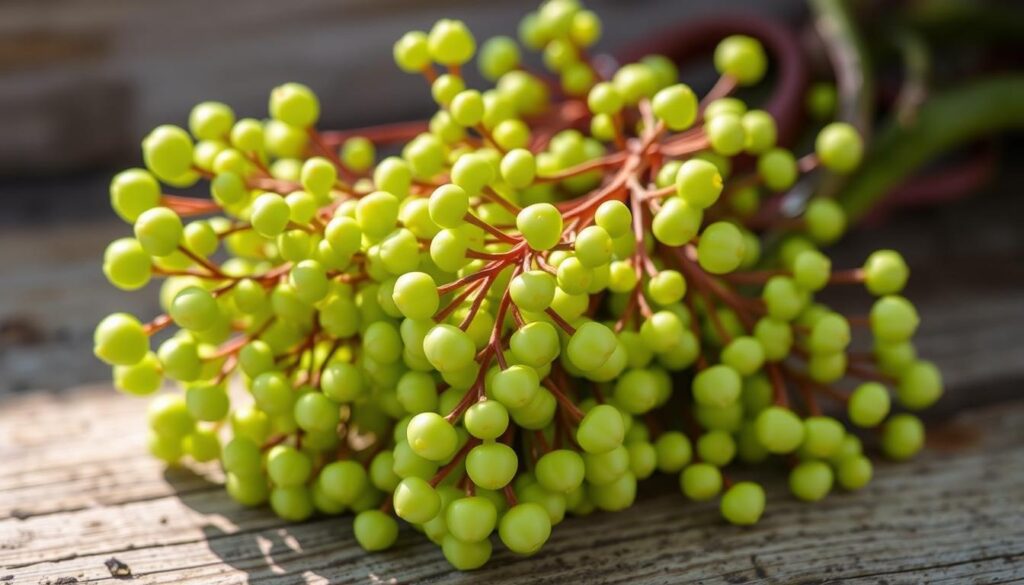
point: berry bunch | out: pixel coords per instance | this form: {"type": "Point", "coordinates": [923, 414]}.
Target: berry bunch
{"type": "Point", "coordinates": [547, 293]}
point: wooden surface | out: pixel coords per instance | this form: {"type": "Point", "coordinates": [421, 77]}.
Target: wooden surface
{"type": "Point", "coordinates": [76, 487]}
{"type": "Point", "coordinates": [107, 71]}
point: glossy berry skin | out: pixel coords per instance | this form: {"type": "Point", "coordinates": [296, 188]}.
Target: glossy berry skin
{"type": "Point", "coordinates": [743, 503]}
{"type": "Point", "coordinates": [120, 340]}
{"type": "Point", "coordinates": [295, 104]}
{"type": "Point", "coordinates": [541, 225]}
{"type": "Point", "coordinates": [742, 58]}
{"type": "Point", "coordinates": [839, 147]}
{"type": "Point", "coordinates": [450, 42]}
{"type": "Point", "coordinates": [375, 530]}
{"type": "Point", "coordinates": [525, 528]}
{"type": "Point", "coordinates": [431, 437]}
{"type": "Point", "coordinates": [676, 106]}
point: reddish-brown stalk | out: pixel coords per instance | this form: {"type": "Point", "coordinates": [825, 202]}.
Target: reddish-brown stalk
{"type": "Point", "coordinates": [379, 135]}
{"type": "Point", "coordinates": [476, 390]}
{"type": "Point", "coordinates": [332, 155]}
{"type": "Point", "coordinates": [189, 206]}
{"type": "Point", "coordinates": [232, 346]}
{"type": "Point", "coordinates": [778, 384]}
{"type": "Point", "coordinates": [456, 460]}
{"type": "Point", "coordinates": [564, 401]}
{"type": "Point", "coordinates": [158, 324]}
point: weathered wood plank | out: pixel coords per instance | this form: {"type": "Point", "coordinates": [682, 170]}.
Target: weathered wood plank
{"type": "Point", "coordinates": [956, 513]}
{"type": "Point", "coordinates": [60, 458]}
{"type": "Point", "coordinates": [165, 69]}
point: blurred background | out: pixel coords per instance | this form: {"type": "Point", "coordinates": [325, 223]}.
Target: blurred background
{"type": "Point", "coordinates": [82, 82]}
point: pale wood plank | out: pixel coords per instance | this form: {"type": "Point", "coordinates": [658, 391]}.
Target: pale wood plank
{"type": "Point", "coordinates": [948, 515]}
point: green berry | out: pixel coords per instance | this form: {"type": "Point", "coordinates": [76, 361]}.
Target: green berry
{"type": "Point", "coordinates": [743, 503]}
{"type": "Point", "coordinates": [614, 217]}
{"type": "Point", "coordinates": [920, 385]}
{"type": "Point", "coordinates": [168, 151]}
{"type": "Point", "coordinates": [811, 480]}
{"type": "Point", "coordinates": [432, 437]}
{"type": "Point", "coordinates": [467, 107]}
{"type": "Point", "coordinates": [518, 168]}
{"type": "Point", "coordinates": [902, 436]}
{"type": "Point", "coordinates": [885, 272]}
{"type": "Point", "coordinates": [601, 430]}
{"type": "Point", "coordinates": [343, 481]}
{"type": "Point", "coordinates": [868, 405]}
{"type": "Point", "coordinates": [194, 309]}
{"type": "Point", "coordinates": [487, 420]}
{"type": "Point", "coordinates": [450, 42]}
{"type": "Point", "coordinates": [718, 385]}
{"type": "Point", "coordinates": [742, 58]}
{"type": "Point", "coordinates": [159, 231]}
{"type": "Point", "coordinates": [375, 530]}
{"type": "Point", "coordinates": [525, 528]}
{"type": "Point", "coordinates": [411, 52]}
{"type": "Point", "coordinates": [416, 296]}
{"type": "Point", "coordinates": [120, 340]}
{"type": "Point", "coordinates": [699, 183]}
{"type": "Point", "coordinates": [700, 481]}
{"type": "Point", "coordinates": [676, 105]}
{"type": "Point", "coordinates": [541, 225]}
{"type": "Point", "coordinates": [854, 472]}
{"type": "Point", "coordinates": [839, 147]}
{"type": "Point", "coordinates": [826, 220]}
{"type": "Point", "coordinates": [779, 430]}
{"type": "Point", "coordinates": [416, 501]}
{"type": "Point", "coordinates": [126, 264]}
{"type": "Point", "coordinates": [498, 56]}
{"type": "Point", "coordinates": [295, 105]}
{"type": "Point", "coordinates": [778, 168]}
{"type": "Point", "coordinates": [760, 130]}
{"type": "Point", "coordinates": [721, 248]}
{"type": "Point", "coordinates": [133, 192]}
{"type": "Point", "coordinates": [491, 465]}
{"type": "Point", "coordinates": [893, 319]}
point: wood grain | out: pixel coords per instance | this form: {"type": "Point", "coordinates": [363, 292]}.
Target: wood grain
{"type": "Point", "coordinates": [78, 488]}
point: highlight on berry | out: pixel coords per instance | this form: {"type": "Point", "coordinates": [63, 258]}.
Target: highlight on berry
{"type": "Point", "coordinates": [517, 310]}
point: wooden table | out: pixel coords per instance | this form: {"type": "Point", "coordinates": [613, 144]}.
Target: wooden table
{"type": "Point", "coordinates": [77, 488]}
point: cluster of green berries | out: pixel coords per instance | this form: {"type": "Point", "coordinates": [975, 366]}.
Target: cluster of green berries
{"type": "Point", "coordinates": [547, 293]}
